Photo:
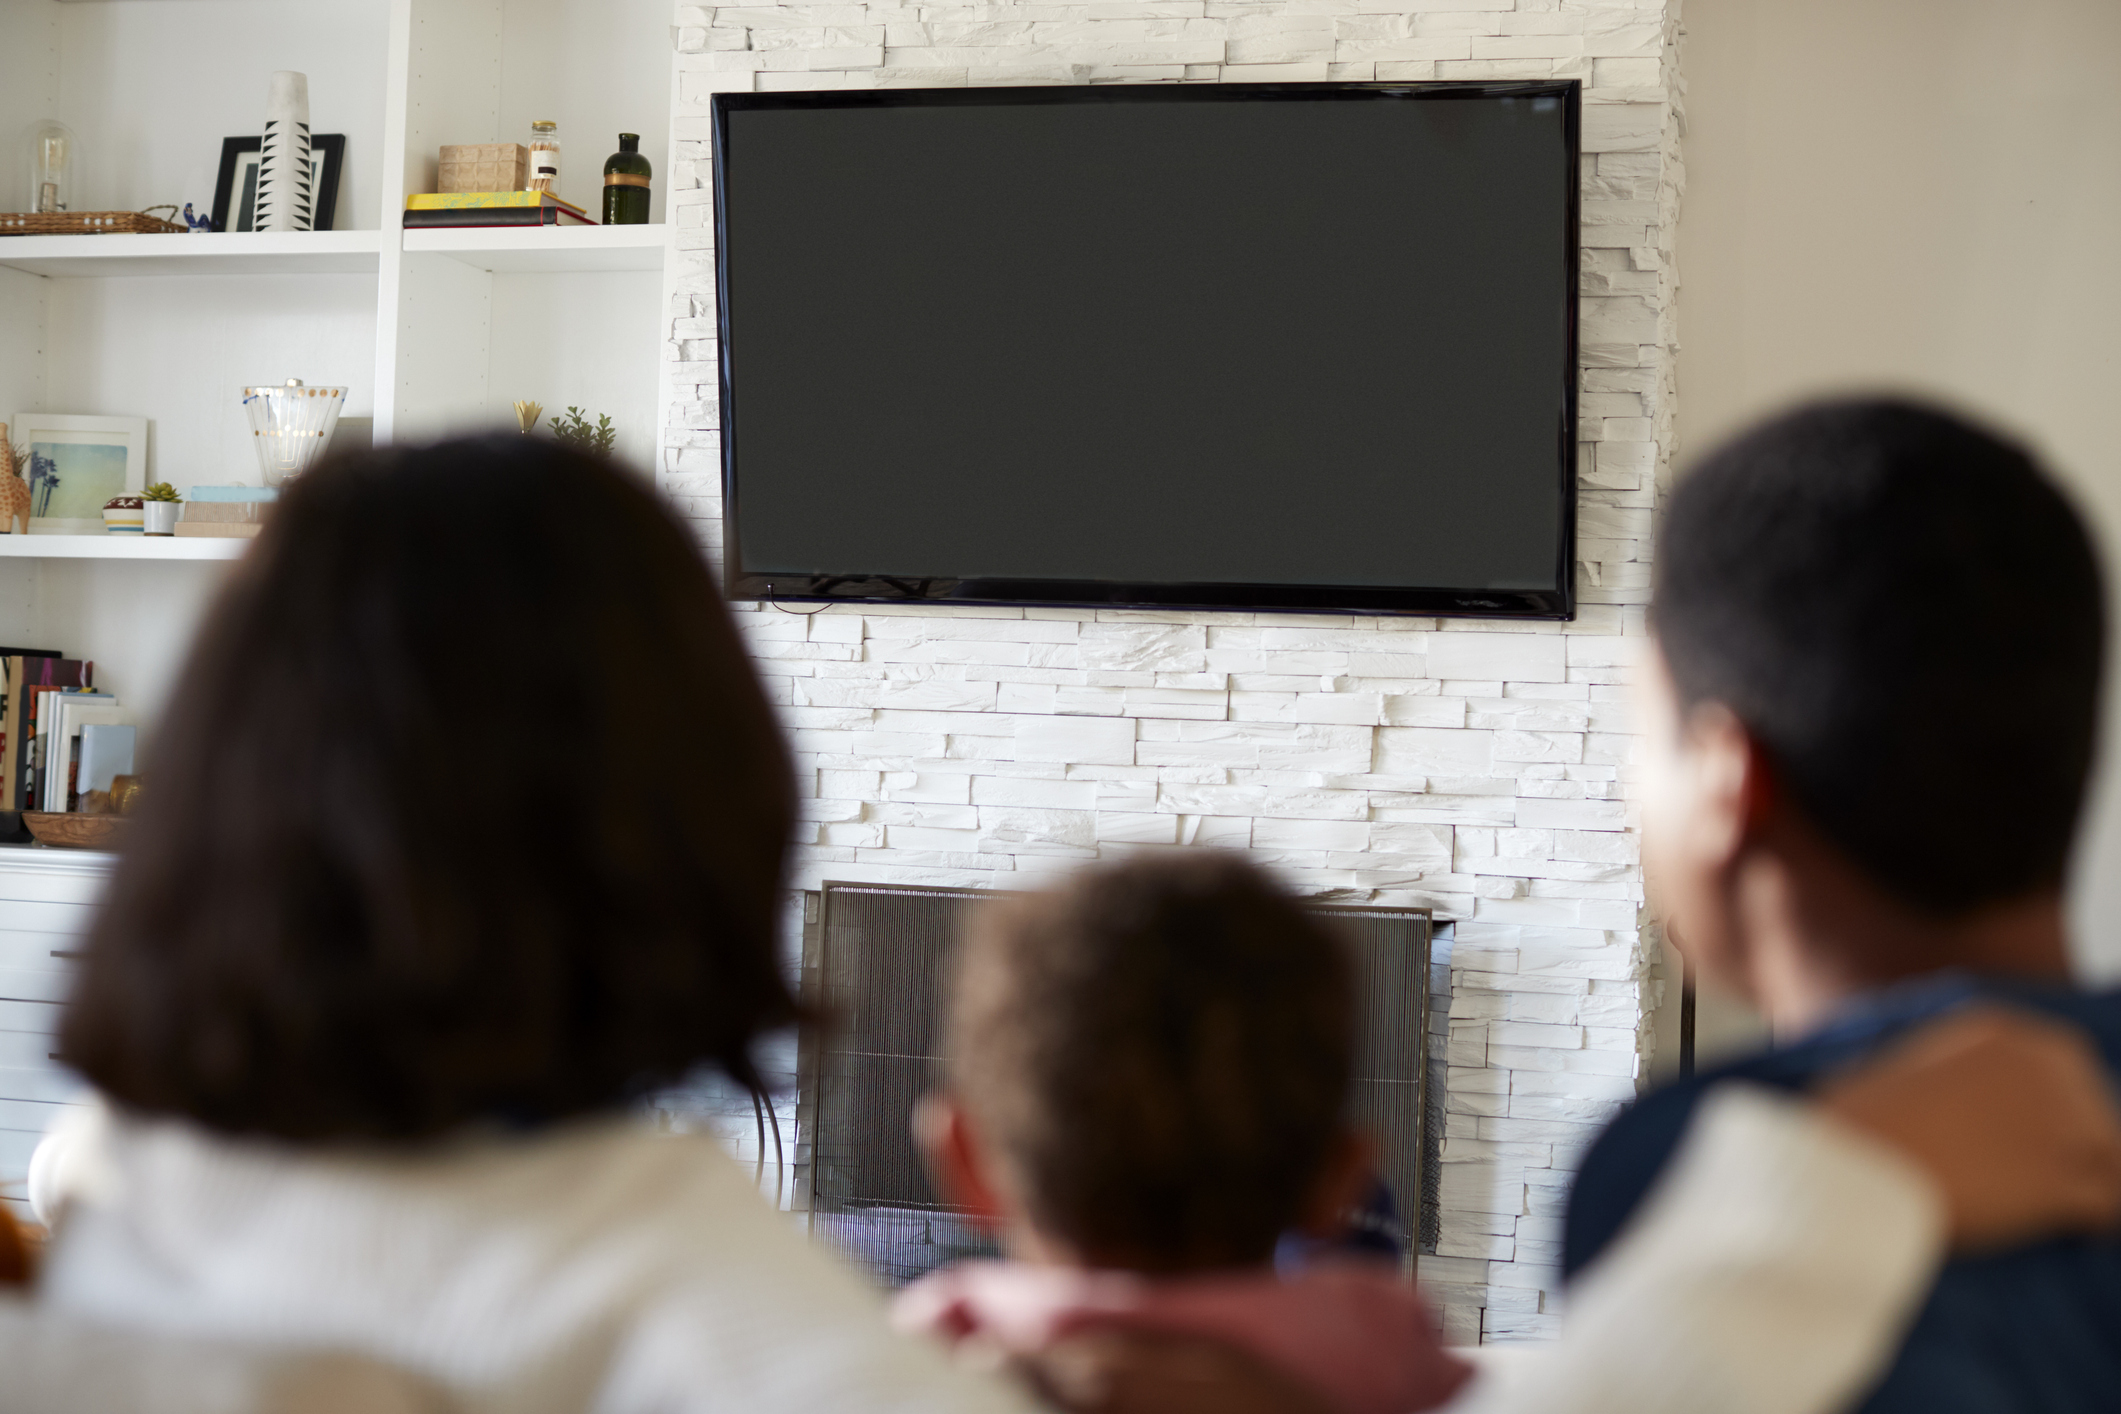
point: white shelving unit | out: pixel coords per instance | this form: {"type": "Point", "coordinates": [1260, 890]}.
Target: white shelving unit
{"type": "Point", "coordinates": [121, 547]}
{"type": "Point", "coordinates": [547, 251]}
{"type": "Point", "coordinates": [434, 332]}
{"type": "Point", "coordinates": [234, 253]}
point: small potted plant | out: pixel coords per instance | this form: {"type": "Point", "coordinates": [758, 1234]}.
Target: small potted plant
{"type": "Point", "coordinates": [122, 515]}
{"type": "Point", "coordinates": [158, 509]}
{"type": "Point", "coordinates": [577, 435]}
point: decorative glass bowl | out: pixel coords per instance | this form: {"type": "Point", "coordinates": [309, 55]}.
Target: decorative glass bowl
{"type": "Point", "coordinates": [291, 425]}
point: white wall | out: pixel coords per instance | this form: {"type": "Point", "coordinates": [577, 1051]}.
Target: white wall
{"type": "Point", "coordinates": [183, 349]}
{"type": "Point", "coordinates": [1923, 194]}
{"type": "Point", "coordinates": [149, 116]}
{"type": "Point", "coordinates": [1473, 767]}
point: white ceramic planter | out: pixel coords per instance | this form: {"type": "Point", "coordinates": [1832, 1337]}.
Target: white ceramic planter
{"type": "Point", "coordinates": [160, 517]}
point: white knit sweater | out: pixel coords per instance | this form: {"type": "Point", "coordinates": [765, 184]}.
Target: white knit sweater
{"type": "Point", "coordinates": [604, 1267]}
{"type": "Point", "coordinates": [599, 1266]}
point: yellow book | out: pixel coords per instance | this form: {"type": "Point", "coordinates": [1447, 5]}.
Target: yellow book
{"type": "Point", "coordinates": [472, 200]}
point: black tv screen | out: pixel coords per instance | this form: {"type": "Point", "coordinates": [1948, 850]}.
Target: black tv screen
{"type": "Point", "coordinates": [1287, 346]}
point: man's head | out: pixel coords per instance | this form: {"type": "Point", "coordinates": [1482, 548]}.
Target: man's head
{"type": "Point", "coordinates": [1148, 1068]}
{"type": "Point", "coordinates": [1880, 632]}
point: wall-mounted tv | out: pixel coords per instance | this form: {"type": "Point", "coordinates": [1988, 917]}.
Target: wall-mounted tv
{"type": "Point", "coordinates": [1246, 346]}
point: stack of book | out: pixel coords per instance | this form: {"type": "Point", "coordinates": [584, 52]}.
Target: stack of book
{"type": "Point", "coordinates": [226, 511]}
{"type": "Point", "coordinates": [492, 208]}
{"type": "Point", "coordinates": [59, 737]}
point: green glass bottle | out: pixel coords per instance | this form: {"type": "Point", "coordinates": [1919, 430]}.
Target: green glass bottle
{"type": "Point", "coordinates": [626, 175]}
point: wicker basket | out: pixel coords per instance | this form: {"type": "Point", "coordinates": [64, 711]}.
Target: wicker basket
{"type": "Point", "coordinates": [84, 223]}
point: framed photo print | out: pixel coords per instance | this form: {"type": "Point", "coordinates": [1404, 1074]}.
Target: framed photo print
{"type": "Point", "coordinates": [75, 464]}
{"type": "Point", "coordinates": [236, 189]}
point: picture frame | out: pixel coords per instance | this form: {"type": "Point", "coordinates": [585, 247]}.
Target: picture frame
{"type": "Point", "coordinates": [235, 189]}
{"type": "Point", "coordinates": [74, 464]}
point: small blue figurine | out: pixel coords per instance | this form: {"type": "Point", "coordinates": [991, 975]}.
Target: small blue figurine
{"type": "Point", "coordinates": [196, 224]}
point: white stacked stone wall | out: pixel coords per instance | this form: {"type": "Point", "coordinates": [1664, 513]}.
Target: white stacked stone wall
{"type": "Point", "coordinates": [1474, 767]}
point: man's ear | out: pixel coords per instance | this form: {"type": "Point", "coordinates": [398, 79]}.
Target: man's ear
{"type": "Point", "coordinates": [956, 1162]}
{"type": "Point", "coordinates": [1734, 785]}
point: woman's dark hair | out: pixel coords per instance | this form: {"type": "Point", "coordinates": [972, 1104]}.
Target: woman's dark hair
{"type": "Point", "coordinates": [468, 807]}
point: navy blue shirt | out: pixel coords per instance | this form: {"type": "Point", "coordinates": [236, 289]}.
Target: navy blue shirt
{"type": "Point", "coordinates": [2032, 1331]}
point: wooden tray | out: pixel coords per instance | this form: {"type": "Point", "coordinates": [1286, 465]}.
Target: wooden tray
{"type": "Point", "coordinates": [74, 831]}
{"type": "Point", "coordinates": [84, 223]}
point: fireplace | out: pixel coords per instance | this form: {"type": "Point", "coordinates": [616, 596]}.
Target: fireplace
{"type": "Point", "coordinates": [876, 959]}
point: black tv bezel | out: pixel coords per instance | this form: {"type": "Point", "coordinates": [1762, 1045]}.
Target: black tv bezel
{"type": "Point", "coordinates": [740, 584]}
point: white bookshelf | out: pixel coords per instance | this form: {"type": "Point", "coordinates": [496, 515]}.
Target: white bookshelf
{"type": "Point", "coordinates": [548, 250]}
{"type": "Point", "coordinates": [545, 250]}
{"type": "Point", "coordinates": [232, 253]}
{"type": "Point", "coordinates": [121, 547]}
{"type": "Point", "coordinates": [434, 332]}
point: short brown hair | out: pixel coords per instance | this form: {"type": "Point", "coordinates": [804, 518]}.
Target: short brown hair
{"type": "Point", "coordinates": [1159, 1054]}
{"type": "Point", "coordinates": [468, 807]}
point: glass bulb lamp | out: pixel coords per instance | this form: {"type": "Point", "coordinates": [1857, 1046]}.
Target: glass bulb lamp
{"type": "Point", "coordinates": [51, 167]}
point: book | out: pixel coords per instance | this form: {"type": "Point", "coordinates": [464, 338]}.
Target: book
{"type": "Point", "coordinates": [49, 748]}
{"type": "Point", "coordinates": [12, 687]}
{"type": "Point", "coordinates": [227, 512]}
{"type": "Point", "coordinates": [494, 216]}
{"type": "Point", "coordinates": [219, 529]}
{"type": "Point", "coordinates": [28, 679]}
{"type": "Point", "coordinates": [105, 752]}
{"type": "Point", "coordinates": [43, 705]}
{"type": "Point", "coordinates": [229, 495]}
{"type": "Point", "coordinates": [76, 710]}
{"type": "Point", "coordinates": [489, 201]}
{"type": "Point", "coordinates": [42, 722]}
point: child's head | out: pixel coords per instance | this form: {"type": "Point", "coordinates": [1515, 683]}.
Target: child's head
{"type": "Point", "coordinates": [1148, 1068]}
{"type": "Point", "coordinates": [1880, 632]}
{"type": "Point", "coordinates": [468, 807]}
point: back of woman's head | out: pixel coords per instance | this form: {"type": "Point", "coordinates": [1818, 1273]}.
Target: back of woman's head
{"type": "Point", "coordinates": [468, 807]}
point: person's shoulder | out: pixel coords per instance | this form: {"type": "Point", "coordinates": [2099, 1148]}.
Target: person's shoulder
{"type": "Point", "coordinates": [2096, 1012]}
{"type": "Point", "coordinates": [1620, 1167]}
{"type": "Point", "coordinates": [1622, 1164]}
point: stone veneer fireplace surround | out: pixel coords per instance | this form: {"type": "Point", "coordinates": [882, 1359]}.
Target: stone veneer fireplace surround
{"type": "Point", "coordinates": [1471, 767]}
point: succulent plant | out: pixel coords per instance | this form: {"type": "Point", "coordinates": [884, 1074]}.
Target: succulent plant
{"type": "Point", "coordinates": [160, 491]}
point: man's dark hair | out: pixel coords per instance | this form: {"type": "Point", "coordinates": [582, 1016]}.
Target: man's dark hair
{"type": "Point", "coordinates": [468, 808]}
{"type": "Point", "coordinates": [1908, 615]}
{"type": "Point", "coordinates": [1159, 1052]}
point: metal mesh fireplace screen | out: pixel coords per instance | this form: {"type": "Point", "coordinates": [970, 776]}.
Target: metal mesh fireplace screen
{"type": "Point", "coordinates": [877, 958]}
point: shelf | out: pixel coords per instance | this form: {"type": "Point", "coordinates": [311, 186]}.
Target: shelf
{"type": "Point", "coordinates": [51, 859]}
{"type": "Point", "coordinates": [121, 547]}
{"type": "Point", "coordinates": [230, 253]}
{"type": "Point", "coordinates": [535, 250]}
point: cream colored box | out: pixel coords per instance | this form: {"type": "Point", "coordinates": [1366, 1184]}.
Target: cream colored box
{"type": "Point", "coordinates": [485, 166]}
{"type": "Point", "coordinates": [225, 512]}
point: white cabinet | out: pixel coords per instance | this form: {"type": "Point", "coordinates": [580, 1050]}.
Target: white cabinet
{"type": "Point", "coordinates": [47, 899]}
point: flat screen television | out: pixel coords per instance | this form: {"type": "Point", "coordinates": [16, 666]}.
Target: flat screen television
{"type": "Point", "coordinates": [1243, 346]}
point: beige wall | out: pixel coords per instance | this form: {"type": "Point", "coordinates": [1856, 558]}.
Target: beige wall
{"type": "Point", "coordinates": [1923, 194]}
